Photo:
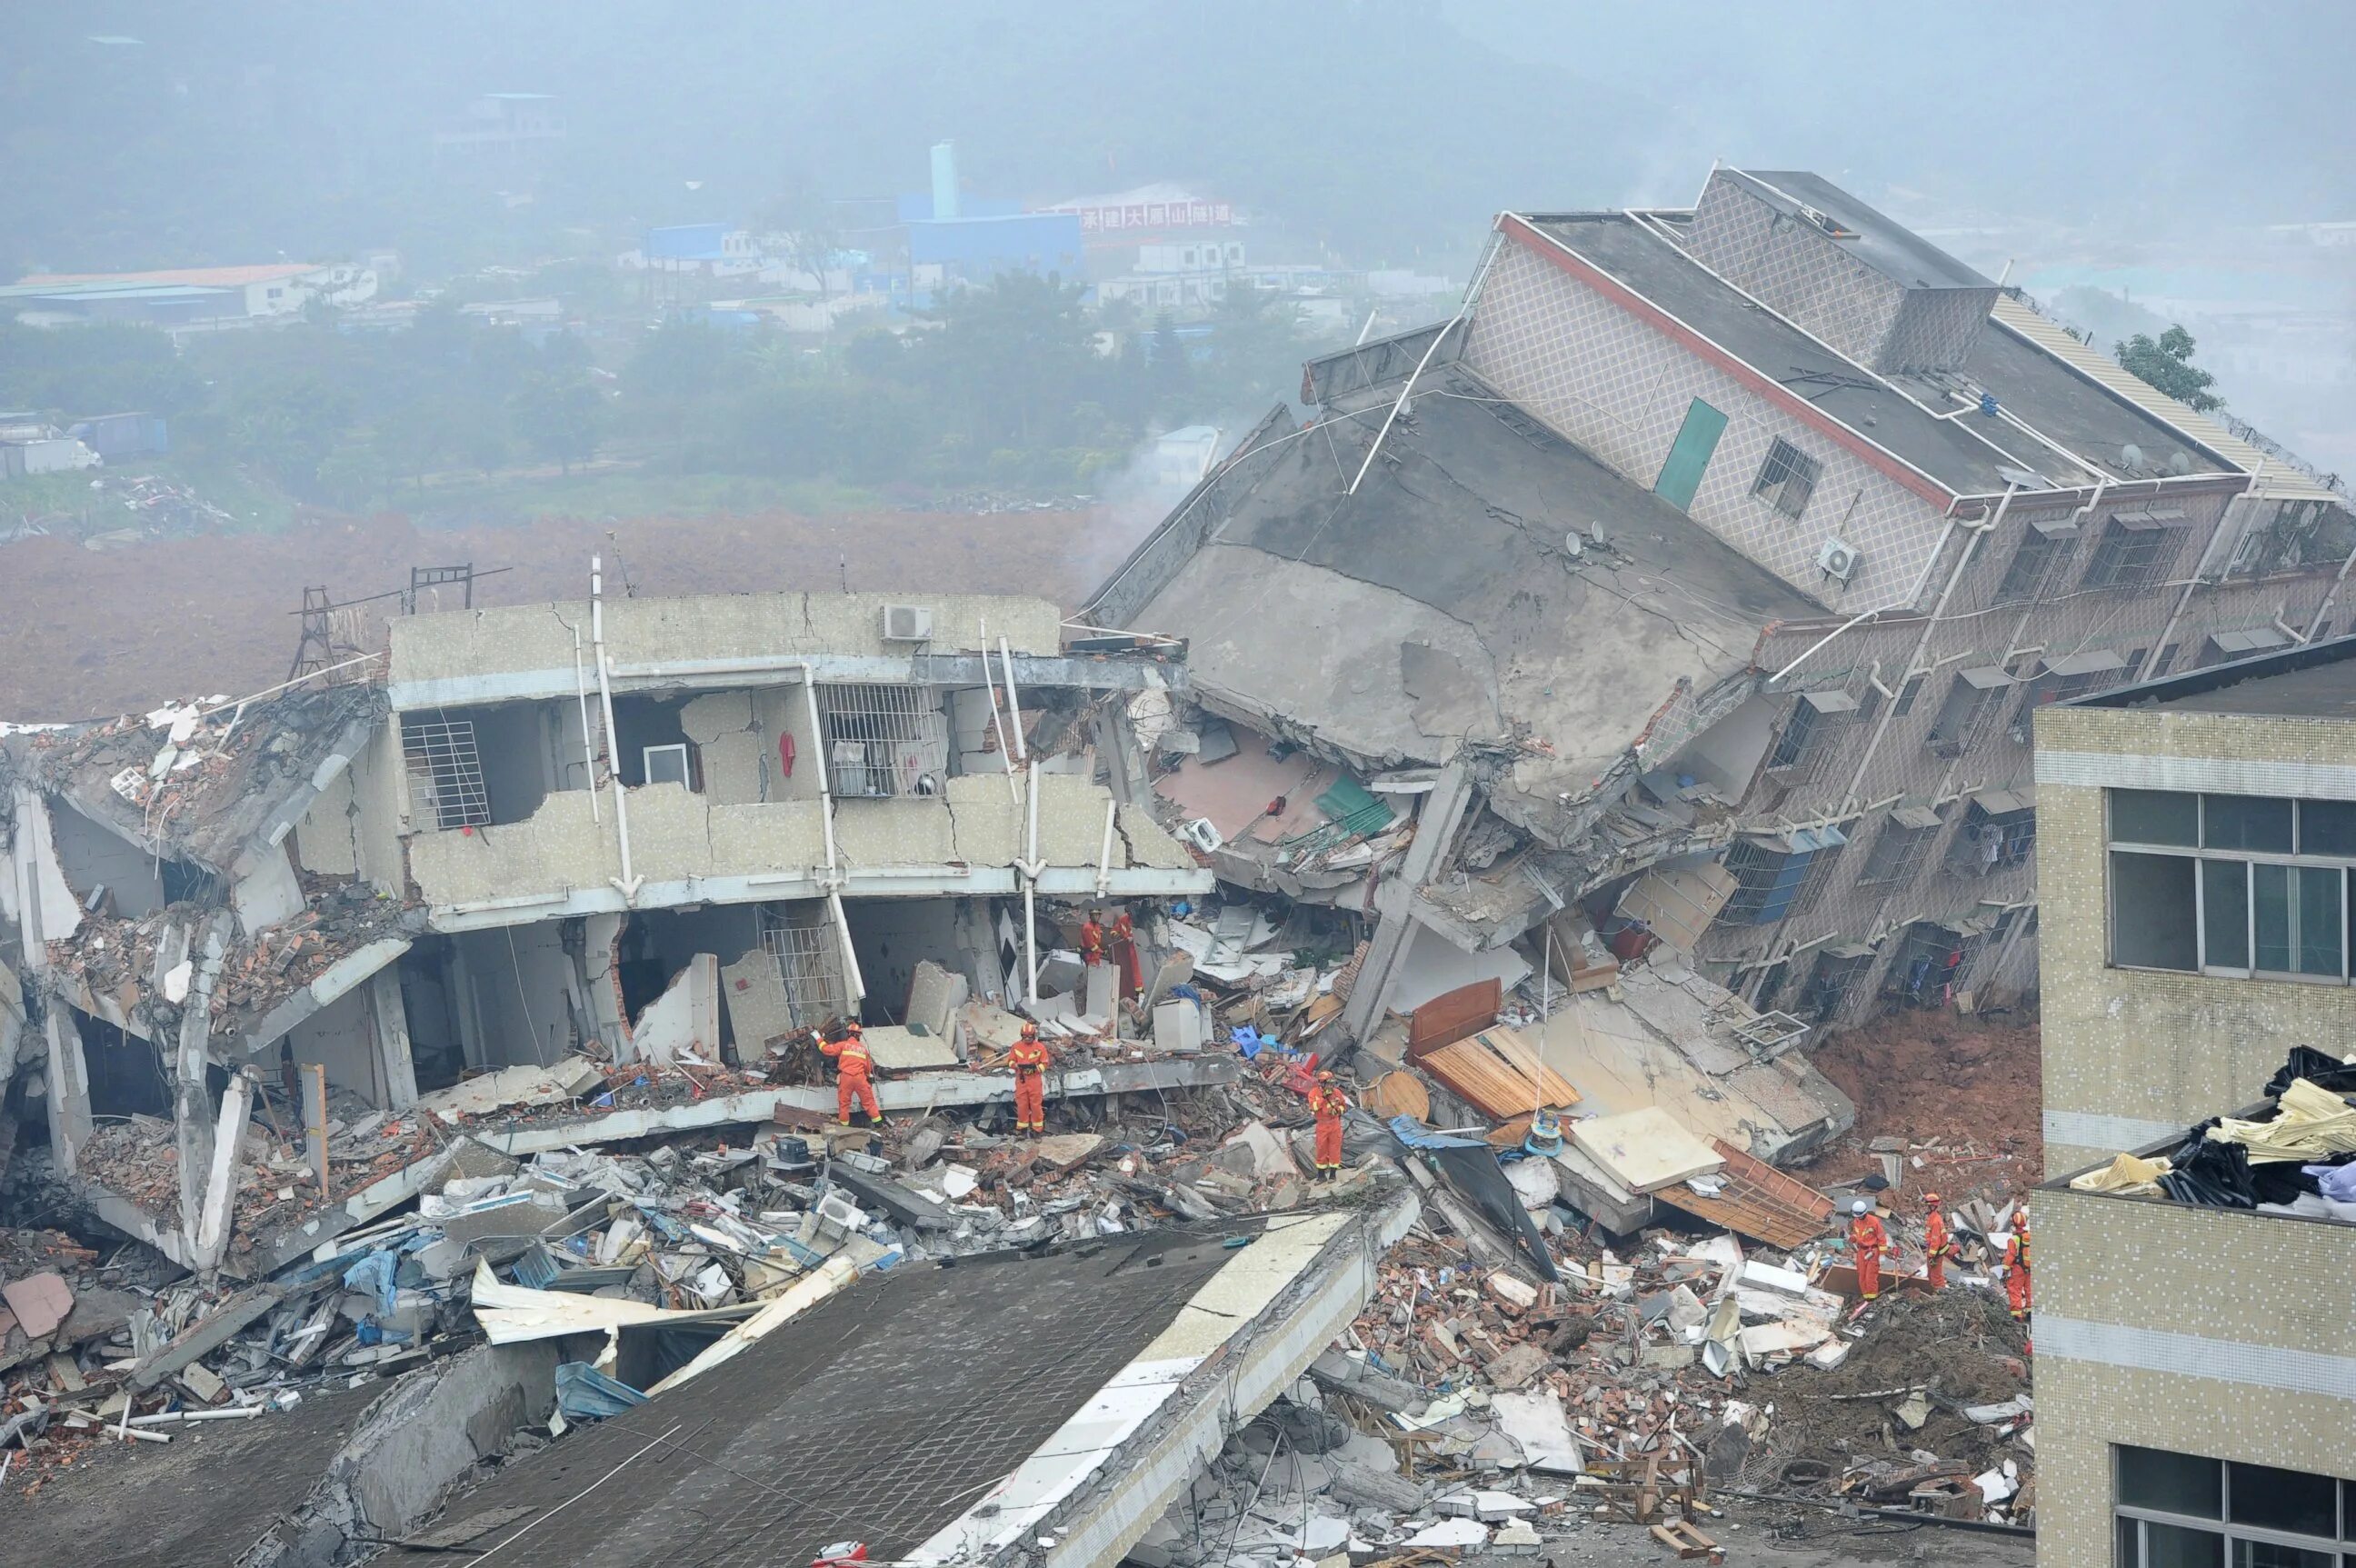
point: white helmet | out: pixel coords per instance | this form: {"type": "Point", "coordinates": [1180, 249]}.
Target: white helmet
{"type": "Point", "coordinates": [1859, 1206]}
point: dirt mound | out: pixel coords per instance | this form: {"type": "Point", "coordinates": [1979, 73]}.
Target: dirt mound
{"type": "Point", "coordinates": [88, 634]}
{"type": "Point", "coordinates": [1960, 1344]}
{"type": "Point", "coordinates": [1969, 1086]}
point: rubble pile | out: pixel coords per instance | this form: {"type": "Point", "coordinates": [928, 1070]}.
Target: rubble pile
{"type": "Point", "coordinates": [284, 958]}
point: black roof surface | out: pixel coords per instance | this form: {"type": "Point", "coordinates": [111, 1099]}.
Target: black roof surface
{"type": "Point", "coordinates": [1886, 245]}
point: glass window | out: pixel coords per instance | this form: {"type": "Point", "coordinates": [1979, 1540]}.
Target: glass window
{"type": "Point", "coordinates": [2246, 822]}
{"type": "Point", "coordinates": [2151, 911]}
{"type": "Point", "coordinates": [2176, 1483]}
{"type": "Point", "coordinates": [2282, 1500]}
{"type": "Point", "coordinates": [2267, 1554]}
{"type": "Point", "coordinates": [2320, 907]}
{"type": "Point", "coordinates": [2270, 930]}
{"type": "Point", "coordinates": [2326, 827]}
{"type": "Point", "coordinates": [2155, 816]}
{"type": "Point", "coordinates": [2174, 1546]}
{"type": "Point", "coordinates": [2226, 914]}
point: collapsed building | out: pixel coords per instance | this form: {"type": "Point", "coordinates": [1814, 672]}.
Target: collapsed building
{"type": "Point", "coordinates": [1695, 588]}
{"type": "Point", "coordinates": [586, 866]}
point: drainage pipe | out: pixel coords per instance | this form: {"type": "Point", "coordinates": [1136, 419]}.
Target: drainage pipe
{"type": "Point", "coordinates": [626, 882]}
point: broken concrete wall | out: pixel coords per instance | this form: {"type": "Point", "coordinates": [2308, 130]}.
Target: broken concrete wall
{"type": "Point", "coordinates": [269, 891]}
{"type": "Point", "coordinates": [602, 979]}
{"type": "Point", "coordinates": [90, 856]}
{"type": "Point", "coordinates": [782, 713]}
{"type": "Point", "coordinates": [516, 744]}
{"type": "Point", "coordinates": [429, 1433]}
{"type": "Point", "coordinates": [684, 1021]}
{"type": "Point", "coordinates": [892, 936]}
{"type": "Point", "coordinates": [525, 990]}
{"type": "Point", "coordinates": [730, 746]}
{"type": "Point", "coordinates": [752, 994]}
{"type": "Point", "coordinates": [380, 804]}
{"type": "Point", "coordinates": [44, 904]}
{"type": "Point", "coordinates": [1727, 754]}
{"type": "Point", "coordinates": [341, 1037]}
{"type": "Point", "coordinates": [327, 840]}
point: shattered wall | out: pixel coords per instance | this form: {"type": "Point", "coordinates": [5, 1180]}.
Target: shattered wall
{"type": "Point", "coordinates": [90, 857]}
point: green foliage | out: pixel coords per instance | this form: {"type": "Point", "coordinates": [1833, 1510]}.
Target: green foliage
{"type": "Point", "coordinates": [2166, 363]}
{"type": "Point", "coordinates": [559, 414]}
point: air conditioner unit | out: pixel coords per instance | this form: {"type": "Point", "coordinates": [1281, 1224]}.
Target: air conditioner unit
{"type": "Point", "coordinates": [1840, 559]}
{"type": "Point", "coordinates": [907, 623]}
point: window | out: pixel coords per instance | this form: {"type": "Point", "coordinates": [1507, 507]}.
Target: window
{"type": "Point", "coordinates": [2134, 550]}
{"type": "Point", "coordinates": [2174, 1511]}
{"type": "Point", "coordinates": [2044, 546]}
{"type": "Point", "coordinates": [1906, 695]}
{"type": "Point", "coordinates": [1769, 872]}
{"type": "Point", "coordinates": [667, 765]}
{"type": "Point", "coordinates": [2064, 679]}
{"type": "Point", "coordinates": [808, 947]}
{"type": "Point", "coordinates": [1929, 966]}
{"type": "Point", "coordinates": [1899, 851]}
{"type": "Point", "coordinates": [2165, 663]}
{"type": "Point", "coordinates": [1793, 744]}
{"type": "Point", "coordinates": [1819, 873]}
{"type": "Point", "coordinates": [1832, 980]}
{"type": "Point", "coordinates": [1999, 828]}
{"type": "Point", "coordinates": [1969, 712]}
{"type": "Point", "coordinates": [1787, 478]}
{"type": "Point", "coordinates": [446, 772]}
{"type": "Point", "coordinates": [883, 741]}
{"type": "Point", "coordinates": [2239, 885]}
{"type": "Point", "coordinates": [1811, 736]}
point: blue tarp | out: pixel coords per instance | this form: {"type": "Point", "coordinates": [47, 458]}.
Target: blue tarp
{"type": "Point", "coordinates": [584, 1393]}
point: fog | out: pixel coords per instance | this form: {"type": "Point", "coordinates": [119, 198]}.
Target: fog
{"type": "Point", "coordinates": [2142, 158]}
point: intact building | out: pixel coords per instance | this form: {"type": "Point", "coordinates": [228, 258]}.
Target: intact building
{"type": "Point", "coordinates": [1756, 534]}
{"type": "Point", "coordinates": [2196, 1396]}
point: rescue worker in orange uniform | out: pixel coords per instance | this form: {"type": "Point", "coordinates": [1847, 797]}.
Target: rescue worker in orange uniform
{"type": "Point", "coordinates": [1092, 938]}
{"type": "Point", "coordinates": [1866, 1241]}
{"type": "Point", "coordinates": [1326, 1102]}
{"type": "Point", "coordinates": [1123, 948]}
{"type": "Point", "coordinates": [1029, 1058]}
{"type": "Point", "coordinates": [852, 1067]}
{"type": "Point", "coordinates": [2016, 1265]}
{"type": "Point", "coordinates": [1938, 1245]}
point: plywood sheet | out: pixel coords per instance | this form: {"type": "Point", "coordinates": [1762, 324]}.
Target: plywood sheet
{"type": "Point", "coordinates": [1497, 1073]}
{"type": "Point", "coordinates": [1645, 1150]}
{"type": "Point", "coordinates": [1451, 1016]}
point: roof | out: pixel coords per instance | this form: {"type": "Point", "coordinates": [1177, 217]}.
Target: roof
{"type": "Point", "coordinates": [1970, 454]}
{"type": "Point", "coordinates": [1441, 605]}
{"type": "Point", "coordinates": [2317, 681]}
{"type": "Point", "coordinates": [2020, 319]}
{"type": "Point", "coordinates": [1882, 243]}
{"type": "Point", "coordinates": [205, 277]}
{"type": "Point", "coordinates": [879, 1415]}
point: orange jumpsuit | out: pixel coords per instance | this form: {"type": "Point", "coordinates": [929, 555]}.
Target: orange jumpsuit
{"type": "Point", "coordinates": [1091, 943]}
{"type": "Point", "coordinates": [852, 1066]}
{"type": "Point", "coordinates": [1868, 1241]}
{"type": "Point", "coordinates": [1124, 954]}
{"type": "Point", "coordinates": [1327, 1102]}
{"type": "Point", "coordinates": [1028, 1059]}
{"type": "Point", "coordinates": [1936, 1246]}
{"type": "Point", "coordinates": [2016, 1273]}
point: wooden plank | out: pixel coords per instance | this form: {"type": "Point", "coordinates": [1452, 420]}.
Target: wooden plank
{"type": "Point", "coordinates": [1451, 1015]}
{"type": "Point", "coordinates": [1399, 1094]}
{"type": "Point", "coordinates": [1497, 1073]}
{"type": "Point", "coordinates": [1757, 1200]}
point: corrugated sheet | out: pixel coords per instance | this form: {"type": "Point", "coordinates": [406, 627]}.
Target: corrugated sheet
{"type": "Point", "coordinates": [2280, 479]}
{"type": "Point", "coordinates": [1757, 1200]}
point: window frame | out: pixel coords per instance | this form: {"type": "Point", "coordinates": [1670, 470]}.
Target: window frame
{"type": "Point", "coordinates": [2132, 552]}
{"type": "Point", "coordinates": [1784, 470]}
{"type": "Point", "coordinates": [2339, 1546]}
{"type": "Point", "coordinates": [2202, 855]}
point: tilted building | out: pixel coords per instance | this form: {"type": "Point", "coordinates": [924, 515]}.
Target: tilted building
{"type": "Point", "coordinates": [1755, 534]}
{"type": "Point", "coordinates": [645, 830]}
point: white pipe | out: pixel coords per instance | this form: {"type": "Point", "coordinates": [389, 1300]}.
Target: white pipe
{"type": "Point", "coordinates": [588, 754]}
{"type": "Point", "coordinates": [1031, 895]}
{"type": "Point", "coordinates": [628, 883]}
{"type": "Point", "coordinates": [1912, 593]}
{"type": "Point", "coordinates": [849, 955]}
{"type": "Point", "coordinates": [825, 785]}
{"type": "Point", "coordinates": [990, 684]}
{"type": "Point", "coordinates": [1104, 852]}
{"type": "Point", "coordinates": [1013, 706]}
{"type": "Point", "coordinates": [1471, 297]}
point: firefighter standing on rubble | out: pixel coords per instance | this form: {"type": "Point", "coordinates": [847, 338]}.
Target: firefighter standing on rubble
{"type": "Point", "coordinates": [1092, 938]}
{"type": "Point", "coordinates": [1938, 1245]}
{"type": "Point", "coordinates": [2015, 1266]}
{"type": "Point", "coordinates": [1867, 1241]}
{"type": "Point", "coordinates": [852, 1067]}
{"type": "Point", "coordinates": [1121, 942]}
{"type": "Point", "coordinates": [1029, 1058]}
{"type": "Point", "coordinates": [1326, 1102]}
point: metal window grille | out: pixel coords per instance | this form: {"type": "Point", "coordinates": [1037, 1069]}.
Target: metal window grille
{"type": "Point", "coordinates": [1818, 873]}
{"type": "Point", "coordinates": [1793, 744]}
{"type": "Point", "coordinates": [2166, 662]}
{"type": "Point", "coordinates": [1829, 985]}
{"type": "Point", "coordinates": [2039, 555]}
{"type": "Point", "coordinates": [1929, 964]}
{"type": "Point", "coordinates": [1787, 478]}
{"type": "Point", "coordinates": [446, 772]}
{"type": "Point", "coordinates": [1970, 712]}
{"type": "Point", "coordinates": [801, 938]}
{"type": "Point", "coordinates": [1897, 855]}
{"type": "Point", "coordinates": [1906, 695]}
{"type": "Point", "coordinates": [883, 741]}
{"type": "Point", "coordinates": [2132, 554]}
{"type": "Point", "coordinates": [1755, 868]}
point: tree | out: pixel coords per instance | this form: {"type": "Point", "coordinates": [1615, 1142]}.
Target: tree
{"type": "Point", "coordinates": [2168, 365]}
{"type": "Point", "coordinates": [559, 414]}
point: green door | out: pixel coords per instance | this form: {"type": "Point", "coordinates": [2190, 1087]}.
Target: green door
{"type": "Point", "coordinates": [1681, 475]}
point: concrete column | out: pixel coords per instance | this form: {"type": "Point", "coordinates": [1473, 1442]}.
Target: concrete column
{"type": "Point", "coordinates": [395, 1066]}
{"type": "Point", "coordinates": [1123, 758]}
{"type": "Point", "coordinates": [1435, 830]}
{"type": "Point", "coordinates": [210, 1239]}
{"type": "Point", "coordinates": [68, 1085]}
{"type": "Point", "coordinates": [601, 988]}
{"type": "Point", "coordinates": [192, 1101]}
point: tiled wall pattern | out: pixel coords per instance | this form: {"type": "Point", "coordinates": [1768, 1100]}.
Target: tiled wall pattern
{"type": "Point", "coordinates": [1799, 272]}
{"type": "Point", "coordinates": [1611, 384]}
{"type": "Point", "coordinates": [2262, 1283]}
{"type": "Point", "coordinates": [1936, 328]}
{"type": "Point", "coordinates": [2159, 1048]}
